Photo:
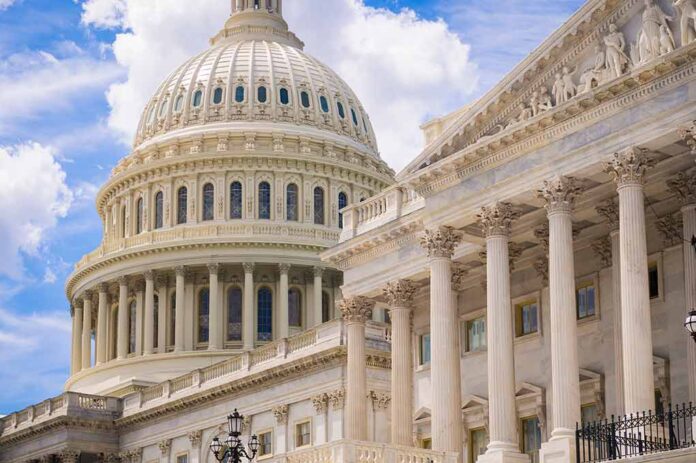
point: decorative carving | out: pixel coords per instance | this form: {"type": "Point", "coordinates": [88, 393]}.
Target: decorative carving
{"type": "Point", "coordinates": [213, 268]}
{"type": "Point", "coordinates": [320, 402]}
{"type": "Point", "coordinates": [655, 36]}
{"type": "Point", "coordinates": [459, 272]}
{"type": "Point", "coordinates": [195, 438]}
{"type": "Point", "coordinates": [400, 293]}
{"type": "Point", "coordinates": [514, 252]}
{"type": "Point", "coordinates": [684, 187]}
{"type": "Point", "coordinates": [616, 58]}
{"type": "Point", "coordinates": [629, 166]}
{"type": "Point", "coordinates": [357, 309]}
{"type": "Point", "coordinates": [284, 268]}
{"type": "Point", "coordinates": [671, 229]}
{"type": "Point", "coordinates": [542, 234]}
{"type": "Point", "coordinates": [688, 134]}
{"type": "Point", "coordinates": [149, 275]}
{"type": "Point", "coordinates": [379, 399]}
{"type": "Point", "coordinates": [281, 414]}
{"type": "Point", "coordinates": [278, 145]}
{"type": "Point", "coordinates": [165, 446]}
{"type": "Point", "coordinates": [610, 211]}
{"type": "Point", "coordinates": [497, 219]}
{"type": "Point", "coordinates": [560, 194]}
{"type": "Point", "coordinates": [248, 267]}
{"type": "Point", "coordinates": [541, 265]}
{"type": "Point", "coordinates": [441, 241]}
{"type": "Point", "coordinates": [602, 247]}
{"type": "Point", "coordinates": [564, 89]}
{"type": "Point", "coordinates": [69, 456]}
{"type": "Point", "coordinates": [123, 281]}
{"type": "Point", "coordinates": [180, 271]}
{"type": "Point", "coordinates": [318, 272]}
{"type": "Point", "coordinates": [250, 141]}
{"type": "Point", "coordinates": [337, 399]}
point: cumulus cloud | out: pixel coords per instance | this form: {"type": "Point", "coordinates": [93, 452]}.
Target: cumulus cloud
{"type": "Point", "coordinates": [33, 196]}
{"type": "Point", "coordinates": [5, 4]}
{"type": "Point", "coordinates": [402, 67]}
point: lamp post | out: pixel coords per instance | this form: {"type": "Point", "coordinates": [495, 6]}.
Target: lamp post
{"type": "Point", "coordinates": [233, 450]}
{"type": "Point", "coordinates": [690, 324]}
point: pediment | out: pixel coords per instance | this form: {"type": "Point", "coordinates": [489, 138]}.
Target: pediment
{"type": "Point", "coordinates": [474, 401]}
{"type": "Point", "coordinates": [422, 414]}
{"type": "Point", "coordinates": [527, 390]}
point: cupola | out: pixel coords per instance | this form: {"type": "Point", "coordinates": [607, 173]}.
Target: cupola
{"type": "Point", "coordinates": [257, 20]}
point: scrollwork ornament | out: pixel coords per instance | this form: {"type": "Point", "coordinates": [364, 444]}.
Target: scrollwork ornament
{"type": "Point", "coordinates": [399, 293]}
{"type": "Point", "coordinates": [281, 414]}
{"type": "Point", "coordinates": [441, 241]}
{"type": "Point", "coordinates": [629, 166]}
{"type": "Point", "coordinates": [610, 211]}
{"type": "Point", "coordinates": [497, 219]}
{"type": "Point", "coordinates": [560, 194]}
{"type": "Point", "coordinates": [357, 309]}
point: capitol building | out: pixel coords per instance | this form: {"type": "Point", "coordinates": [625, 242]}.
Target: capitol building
{"type": "Point", "coordinates": [516, 294]}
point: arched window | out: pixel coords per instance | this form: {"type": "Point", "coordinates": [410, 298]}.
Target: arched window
{"type": "Point", "coordinates": [159, 210]}
{"type": "Point", "coordinates": [264, 200]}
{"type": "Point", "coordinates": [262, 94]}
{"type": "Point", "coordinates": [123, 221]}
{"type": "Point", "coordinates": [217, 95]}
{"type": "Point", "coordinates": [304, 99]}
{"type": "Point", "coordinates": [163, 108]}
{"type": "Point", "coordinates": [234, 314]}
{"type": "Point", "coordinates": [239, 94]}
{"type": "Point", "coordinates": [235, 200]}
{"type": "Point", "coordinates": [354, 116]}
{"type": "Point", "coordinates": [178, 103]}
{"type": "Point", "coordinates": [342, 203]}
{"type": "Point", "coordinates": [132, 318]}
{"type": "Point", "coordinates": [319, 206]}
{"type": "Point", "coordinates": [341, 110]}
{"type": "Point", "coordinates": [291, 202]}
{"type": "Point", "coordinates": [325, 307]}
{"type": "Point", "coordinates": [139, 216]}
{"type": "Point", "coordinates": [181, 205]}
{"type": "Point", "coordinates": [284, 96]}
{"type": "Point", "coordinates": [324, 103]}
{"type": "Point", "coordinates": [151, 115]}
{"type": "Point", "coordinates": [295, 308]}
{"type": "Point", "coordinates": [172, 319]}
{"type": "Point", "coordinates": [203, 315]}
{"type": "Point", "coordinates": [197, 98]}
{"type": "Point", "coordinates": [208, 201]}
{"type": "Point", "coordinates": [265, 314]}
{"type": "Point", "coordinates": [155, 332]}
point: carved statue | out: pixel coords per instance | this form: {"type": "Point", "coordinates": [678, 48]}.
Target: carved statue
{"type": "Point", "coordinates": [525, 113]}
{"type": "Point", "coordinates": [534, 103]}
{"type": "Point", "coordinates": [687, 20]}
{"type": "Point", "coordinates": [649, 36]}
{"type": "Point", "coordinates": [558, 93]}
{"type": "Point", "coordinates": [545, 102]}
{"type": "Point", "coordinates": [569, 87]}
{"type": "Point", "coordinates": [616, 58]}
{"type": "Point", "coordinates": [666, 40]}
{"type": "Point", "coordinates": [595, 75]}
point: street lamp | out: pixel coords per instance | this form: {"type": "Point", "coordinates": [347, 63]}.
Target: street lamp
{"type": "Point", "coordinates": [690, 324]}
{"type": "Point", "coordinates": [233, 450]}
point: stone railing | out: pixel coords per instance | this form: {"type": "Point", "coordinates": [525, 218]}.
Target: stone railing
{"type": "Point", "coordinates": [391, 204]}
{"type": "Point", "coordinates": [364, 452]}
{"type": "Point", "coordinates": [68, 403]}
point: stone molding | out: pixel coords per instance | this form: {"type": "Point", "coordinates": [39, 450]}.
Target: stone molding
{"type": "Point", "coordinates": [149, 275]}
{"type": "Point", "coordinates": [69, 456]}
{"type": "Point", "coordinates": [165, 446]}
{"type": "Point", "coordinates": [317, 271]}
{"type": "Point", "coordinates": [284, 268]}
{"type": "Point", "coordinates": [459, 274]}
{"type": "Point", "coordinates": [610, 211]}
{"type": "Point", "coordinates": [440, 242]}
{"type": "Point", "coordinates": [280, 413]}
{"type": "Point", "coordinates": [195, 439]}
{"type": "Point", "coordinates": [248, 267]}
{"type": "Point", "coordinates": [497, 219]}
{"type": "Point", "coordinates": [320, 403]}
{"type": "Point", "coordinates": [380, 400]}
{"type": "Point", "coordinates": [628, 167]}
{"type": "Point", "coordinates": [399, 293]}
{"type": "Point", "coordinates": [560, 194]}
{"type": "Point", "coordinates": [671, 227]}
{"type": "Point", "coordinates": [214, 269]}
{"type": "Point", "coordinates": [337, 399]}
{"type": "Point", "coordinates": [356, 309]}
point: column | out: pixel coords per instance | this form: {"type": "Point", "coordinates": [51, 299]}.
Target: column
{"type": "Point", "coordinates": [139, 309]}
{"type": "Point", "coordinates": [248, 315]}
{"type": "Point", "coordinates": [318, 318]}
{"type": "Point", "coordinates": [77, 338]}
{"type": "Point", "coordinates": [356, 311]}
{"type": "Point", "coordinates": [162, 315]}
{"type": "Point", "coordinates": [122, 328]}
{"type": "Point", "coordinates": [565, 383]}
{"type": "Point", "coordinates": [179, 310]}
{"type": "Point", "coordinates": [87, 330]}
{"type": "Point", "coordinates": [684, 187]}
{"type": "Point", "coordinates": [283, 301]}
{"type": "Point", "coordinates": [503, 447]}
{"type": "Point", "coordinates": [399, 295]}
{"type": "Point", "coordinates": [149, 330]}
{"type": "Point", "coordinates": [215, 321]}
{"type": "Point", "coordinates": [628, 169]}
{"type": "Point", "coordinates": [102, 323]}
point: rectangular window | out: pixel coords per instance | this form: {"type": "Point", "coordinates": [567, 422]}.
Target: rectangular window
{"type": "Point", "coordinates": [478, 441]}
{"type": "Point", "coordinates": [303, 434]}
{"type": "Point", "coordinates": [585, 297]}
{"type": "Point", "coordinates": [531, 438]}
{"type": "Point", "coordinates": [527, 318]}
{"type": "Point", "coordinates": [182, 458]}
{"type": "Point", "coordinates": [476, 335]}
{"type": "Point", "coordinates": [265, 443]}
{"type": "Point", "coordinates": [426, 443]}
{"type": "Point", "coordinates": [424, 349]}
{"type": "Point", "coordinates": [653, 280]}
{"type": "Point", "coordinates": [589, 413]}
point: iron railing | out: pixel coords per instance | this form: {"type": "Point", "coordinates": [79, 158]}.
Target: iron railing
{"type": "Point", "coordinates": [632, 435]}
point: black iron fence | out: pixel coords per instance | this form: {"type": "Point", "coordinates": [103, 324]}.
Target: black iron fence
{"type": "Point", "coordinates": [631, 435]}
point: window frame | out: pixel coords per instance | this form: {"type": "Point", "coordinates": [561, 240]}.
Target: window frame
{"type": "Point", "coordinates": [521, 428]}
{"type": "Point", "coordinates": [421, 364]}
{"type": "Point", "coordinates": [196, 103]}
{"type": "Point", "coordinates": [233, 342]}
{"type": "Point", "coordinates": [179, 455]}
{"type": "Point", "coordinates": [464, 321]}
{"type": "Point", "coordinates": [214, 93]}
{"type": "Point", "coordinates": [257, 292]}
{"type": "Point", "coordinates": [302, 92]}
{"type": "Point", "coordinates": [262, 432]}
{"type": "Point", "coordinates": [179, 220]}
{"type": "Point", "coordinates": [296, 289]}
{"type": "Point", "coordinates": [470, 442]}
{"type": "Point", "coordinates": [518, 302]}
{"type": "Point", "coordinates": [519, 308]}
{"type": "Point", "coordinates": [341, 193]}
{"type": "Point", "coordinates": [270, 200]}
{"type": "Point", "coordinates": [296, 203]}
{"type": "Point", "coordinates": [297, 424]}
{"type": "Point", "coordinates": [280, 96]}
{"type": "Point", "coordinates": [197, 322]}
{"type": "Point", "coordinates": [231, 199]}
{"type": "Point", "coordinates": [657, 260]}
{"type": "Point", "coordinates": [208, 207]}
{"type": "Point", "coordinates": [139, 215]}
{"type": "Point", "coordinates": [158, 216]}
{"type": "Point", "coordinates": [259, 89]}
{"type": "Point", "coordinates": [319, 208]}
{"type": "Point", "coordinates": [132, 326]}
{"type": "Point", "coordinates": [583, 281]}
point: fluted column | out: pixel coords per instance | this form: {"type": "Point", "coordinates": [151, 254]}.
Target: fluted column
{"type": "Point", "coordinates": [356, 311]}
{"type": "Point", "coordinates": [248, 315]}
{"type": "Point", "coordinates": [560, 196]}
{"type": "Point", "coordinates": [102, 323]}
{"type": "Point", "coordinates": [503, 447]}
{"type": "Point", "coordinates": [215, 323]}
{"type": "Point", "coordinates": [684, 187]}
{"type": "Point", "coordinates": [139, 312]}
{"type": "Point", "coordinates": [399, 295]}
{"type": "Point", "coordinates": [162, 314]}
{"type": "Point", "coordinates": [149, 331]}
{"type": "Point", "coordinates": [283, 301]}
{"type": "Point", "coordinates": [318, 318]}
{"type": "Point", "coordinates": [77, 338]}
{"type": "Point", "coordinates": [122, 328]}
{"type": "Point", "coordinates": [445, 371]}
{"type": "Point", "coordinates": [87, 330]}
{"type": "Point", "coordinates": [179, 310]}
{"type": "Point", "coordinates": [628, 169]}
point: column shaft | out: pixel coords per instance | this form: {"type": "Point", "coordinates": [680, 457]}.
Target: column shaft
{"type": "Point", "coordinates": [283, 301]}
{"type": "Point", "coordinates": [102, 323]}
{"type": "Point", "coordinates": [123, 315]}
{"type": "Point", "coordinates": [689, 215]}
{"type": "Point", "coordinates": [87, 332]}
{"type": "Point", "coordinates": [215, 321]}
{"type": "Point", "coordinates": [163, 310]}
{"type": "Point", "coordinates": [318, 318]}
{"type": "Point", "coordinates": [248, 315]}
{"type": "Point", "coordinates": [149, 331]}
{"type": "Point", "coordinates": [179, 310]}
{"type": "Point", "coordinates": [77, 340]}
{"type": "Point", "coordinates": [616, 304]}
{"type": "Point", "coordinates": [401, 378]}
{"type": "Point", "coordinates": [139, 317]}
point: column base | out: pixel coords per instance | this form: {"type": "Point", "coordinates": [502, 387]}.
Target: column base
{"type": "Point", "coordinates": [503, 454]}
{"type": "Point", "coordinates": [558, 450]}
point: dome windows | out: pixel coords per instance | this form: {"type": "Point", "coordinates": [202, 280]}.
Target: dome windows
{"type": "Point", "coordinates": [284, 95]}
{"type": "Point", "coordinates": [178, 103]}
{"type": "Point", "coordinates": [264, 201]}
{"type": "Point", "coordinates": [163, 108]}
{"type": "Point", "coordinates": [304, 99]}
{"type": "Point", "coordinates": [262, 94]}
{"type": "Point", "coordinates": [354, 116]}
{"type": "Point", "coordinates": [151, 115]}
{"type": "Point", "coordinates": [236, 200]}
{"type": "Point", "coordinates": [239, 94]}
{"type": "Point", "coordinates": [208, 202]}
{"type": "Point", "coordinates": [197, 98]}
{"type": "Point", "coordinates": [324, 103]}
{"type": "Point", "coordinates": [341, 110]}
{"type": "Point", "coordinates": [217, 95]}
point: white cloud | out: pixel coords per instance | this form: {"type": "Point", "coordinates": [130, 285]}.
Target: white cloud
{"type": "Point", "coordinates": [403, 68]}
{"type": "Point", "coordinates": [5, 4]}
{"type": "Point", "coordinates": [33, 196]}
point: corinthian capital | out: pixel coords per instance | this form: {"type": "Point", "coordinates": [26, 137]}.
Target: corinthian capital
{"type": "Point", "coordinates": [400, 293]}
{"type": "Point", "coordinates": [629, 166]}
{"type": "Point", "coordinates": [610, 211]}
{"type": "Point", "coordinates": [441, 241]}
{"type": "Point", "coordinates": [497, 219]}
{"type": "Point", "coordinates": [688, 134]}
{"type": "Point", "coordinates": [459, 273]}
{"type": "Point", "coordinates": [356, 309]}
{"type": "Point", "coordinates": [281, 414]}
{"type": "Point", "coordinates": [560, 194]}
{"type": "Point", "coordinates": [684, 187]}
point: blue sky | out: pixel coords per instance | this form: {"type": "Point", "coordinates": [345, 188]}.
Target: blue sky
{"type": "Point", "coordinates": [73, 78]}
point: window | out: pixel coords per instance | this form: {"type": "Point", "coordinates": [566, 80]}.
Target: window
{"type": "Point", "coordinates": [585, 301]}
{"type": "Point", "coordinates": [239, 94]}
{"type": "Point", "coordinates": [265, 444]}
{"type": "Point", "coordinates": [197, 98]}
{"type": "Point", "coordinates": [659, 403]}
{"type": "Point", "coordinates": [531, 438]}
{"type": "Point", "coordinates": [478, 443]}
{"type": "Point", "coordinates": [527, 318]}
{"type": "Point", "coordinates": [589, 413]}
{"type": "Point", "coordinates": [151, 115]}
{"type": "Point", "coordinates": [159, 210]}
{"type": "Point", "coordinates": [123, 221]}
{"type": "Point", "coordinates": [234, 314]}
{"type": "Point", "coordinates": [653, 280]}
{"type": "Point", "coordinates": [155, 332]}
{"type": "Point", "coordinates": [303, 434]}
{"type": "Point", "coordinates": [341, 111]}
{"type": "Point", "coordinates": [324, 103]}
{"type": "Point", "coordinates": [203, 315]}
{"type": "Point", "coordinates": [178, 103]}
{"type": "Point", "coordinates": [182, 459]}
{"type": "Point", "coordinates": [235, 200]}
{"type": "Point", "coordinates": [319, 206]}
{"type": "Point", "coordinates": [291, 200]}
{"type": "Point", "coordinates": [295, 308]}
{"type": "Point", "coordinates": [284, 96]}
{"type": "Point", "coordinates": [217, 95]}
{"type": "Point", "coordinates": [262, 94]}
{"type": "Point", "coordinates": [264, 200]}
{"type": "Point", "coordinates": [132, 318]}
{"type": "Point", "coordinates": [426, 443]}
{"type": "Point", "coordinates": [208, 201]}
{"type": "Point", "coordinates": [139, 216]}
{"type": "Point", "coordinates": [163, 108]}
{"type": "Point", "coordinates": [354, 116]}
{"type": "Point", "coordinates": [265, 314]}
{"type": "Point", "coordinates": [172, 319]}
{"type": "Point", "coordinates": [342, 203]}
{"type": "Point", "coordinates": [181, 205]}
{"type": "Point", "coordinates": [424, 349]}
{"type": "Point", "coordinates": [325, 307]}
{"type": "Point", "coordinates": [304, 99]}
{"type": "Point", "coordinates": [476, 335]}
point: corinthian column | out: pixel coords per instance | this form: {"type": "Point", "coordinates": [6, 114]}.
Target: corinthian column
{"type": "Point", "coordinates": [215, 322]}
{"type": "Point", "coordinates": [560, 196]}
{"type": "Point", "coordinates": [684, 186]}
{"type": "Point", "coordinates": [283, 301]}
{"type": "Point", "coordinates": [628, 169]}
{"type": "Point", "coordinates": [318, 318]}
{"type": "Point", "coordinates": [356, 311]}
{"type": "Point", "coordinates": [445, 371]}
{"type": "Point", "coordinates": [179, 309]}
{"type": "Point", "coordinates": [87, 330]}
{"type": "Point", "coordinates": [399, 295]}
{"type": "Point", "coordinates": [248, 315]}
{"type": "Point", "coordinates": [149, 329]}
{"type": "Point", "coordinates": [123, 334]}
{"type": "Point", "coordinates": [77, 338]}
{"type": "Point", "coordinates": [102, 322]}
{"type": "Point", "coordinates": [503, 447]}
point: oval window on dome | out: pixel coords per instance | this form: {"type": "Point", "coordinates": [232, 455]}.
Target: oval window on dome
{"type": "Point", "coordinates": [304, 99]}
{"type": "Point", "coordinates": [163, 108]}
{"type": "Point", "coordinates": [341, 111]}
{"type": "Point", "coordinates": [217, 95]}
{"type": "Point", "coordinates": [197, 98]}
{"type": "Point", "coordinates": [178, 103]}
{"type": "Point", "coordinates": [354, 116]}
{"type": "Point", "coordinates": [239, 94]}
{"type": "Point", "coordinates": [151, 115]}
{"type": "Point", "coordinates": [324, 103]}
{"type": "Point", "coordinates": [284, 96]}
{"type": "Point", "coordinates": [262, 94]}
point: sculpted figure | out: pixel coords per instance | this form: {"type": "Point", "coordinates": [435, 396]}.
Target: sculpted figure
{"type": "Point", "coordinates": [649, 36]}
{"type": "Point", "coordinates": [558, 93]}
{"type": "Point", "coordinates": [534, 103]}
{"type": "Point", "coordinates": [616, 58]}
{"type": "Point", "coordinates": [525, 113]}
{"type": "Point", "coordinates": [687, 20]}
{"type": "Point", "coordinates": [569, 88]}
{"type": "Point", "coordinates": [666, 40]}
{"type": "Point", "coordinates": [593, 76]}
{"type": "Point", "coordinates": [545, 102]}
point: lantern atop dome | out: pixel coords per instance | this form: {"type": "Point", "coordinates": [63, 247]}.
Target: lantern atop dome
{"type": "Point", "coordinates": [257, 20]}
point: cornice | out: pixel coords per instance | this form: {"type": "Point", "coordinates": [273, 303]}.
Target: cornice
{"type": "Point", "coordinates": [59, 422]}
